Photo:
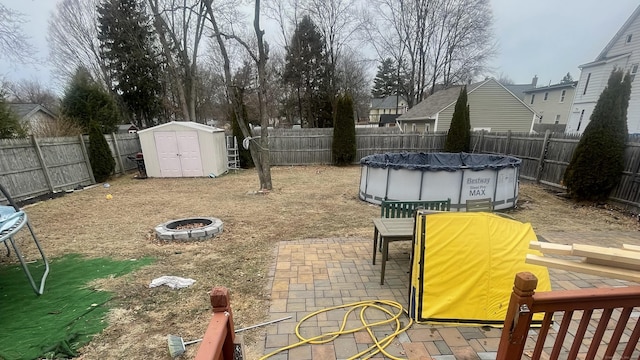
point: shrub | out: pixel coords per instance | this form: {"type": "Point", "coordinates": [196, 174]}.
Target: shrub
{"type": "Point", "coordinates": [459, 135]}
{"type": "Point", "coordinates": [598, 161]}
{"type": "Point", "coordinates": [102, 163]}
{"type": "Point", "coordinates": [344, 132]}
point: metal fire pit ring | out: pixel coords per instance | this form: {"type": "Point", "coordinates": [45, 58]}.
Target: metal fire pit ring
{"type": "Point", "coordinates": [169, 231]}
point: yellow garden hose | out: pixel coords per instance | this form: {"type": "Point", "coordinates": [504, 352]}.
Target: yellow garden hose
{"type": "Point", "coordinates": [378, 346]}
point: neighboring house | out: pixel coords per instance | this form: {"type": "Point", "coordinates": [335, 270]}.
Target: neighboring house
{"type": "Point", "coordinates": [622, 52]}
{"type": "Point", "coordinates": [127, 129]}
{"type": "Point", "coordinates": [32, 116]}
{"type": "Point", "coordinates": [492, 107]}
{"type": "Point", "coordinates": [387, 105]}
{"type": "Point", "coordinates": [552, 103]}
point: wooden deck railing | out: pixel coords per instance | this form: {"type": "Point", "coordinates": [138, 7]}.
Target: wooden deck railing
{"type": "Point", "coordinates": [605, 315]}
{"type": "Point", "coordinates": [218, 340]}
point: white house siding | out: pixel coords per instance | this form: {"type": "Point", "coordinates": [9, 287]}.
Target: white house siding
{"type": "Point", "coordinates": [629, 56]}
{"type": "Point", "coordinates": [492, 106]}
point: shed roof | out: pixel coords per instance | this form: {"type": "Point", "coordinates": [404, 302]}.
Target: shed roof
{"type": "Point", "coordinates": [187, 124]}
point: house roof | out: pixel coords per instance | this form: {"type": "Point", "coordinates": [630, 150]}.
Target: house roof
{"type": "Point", "coordinates": [188, 124]}
{"type": "Point", "coordinates": [429, 107]}
{"type": "Point", "coordinates": [25, 110]}
{"type": "Point", "coordinates": [552, 87]}
{"type": "Point", "coordinates": [389, 102]}
{"type": "Point", "coordinates": [621, 32]}
{"type": "Point", "coordinates": [519, 90]}
{"type": "Point", "coordinates": [388, 118]}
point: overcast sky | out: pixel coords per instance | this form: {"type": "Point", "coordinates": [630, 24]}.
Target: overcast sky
{"type": "Point", "coordinates": [547, 38]}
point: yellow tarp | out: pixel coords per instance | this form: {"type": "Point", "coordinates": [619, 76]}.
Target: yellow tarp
{"type": "Point", "coordinates": [464, 264]}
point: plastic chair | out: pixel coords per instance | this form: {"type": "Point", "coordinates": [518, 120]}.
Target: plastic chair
{"type": "Point", "coordinates": [12, 220]}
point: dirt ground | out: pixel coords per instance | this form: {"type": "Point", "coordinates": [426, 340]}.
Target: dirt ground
{"type": "Point", "coordinates": [306, 202]}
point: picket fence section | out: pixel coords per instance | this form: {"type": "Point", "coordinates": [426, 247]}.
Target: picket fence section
{"type": "Point", "coordinates": [37, 166]}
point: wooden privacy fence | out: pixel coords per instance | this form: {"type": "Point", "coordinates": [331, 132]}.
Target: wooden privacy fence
{"type": "Point", "coordinates": [32, 167]}
{"type": "Point", "coordinates": [545, 157]}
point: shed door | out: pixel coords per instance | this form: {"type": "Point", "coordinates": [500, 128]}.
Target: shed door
{"type": "Point", "coordinates": [167, 149]}
{"type": "Point", "coordinates": [178, 153]}
{"type": "Point", "coordinates": [189, 153]}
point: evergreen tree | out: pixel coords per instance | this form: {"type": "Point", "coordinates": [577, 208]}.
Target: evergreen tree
{"type": "Point", "coordinates": [85, 101]}
{"type": "Point", "coordinates": [459, 135]}
{"type": "Point", "coordinates": [102, 162]}
{"type": "Point", "coordinates": [567, 79]}
{"type": "Point", "coordinates": [127, 46]}
{"type": "Point", "coordinates": [306, 72]}
{"type": "Point", "coordinates": [344, 133]}
{"type": "Point", "coordinates": [10, 126]}
{"type": "Point", "coordinates": [598, 161]}
{"type": "Point", "coordinates": [386, 81]}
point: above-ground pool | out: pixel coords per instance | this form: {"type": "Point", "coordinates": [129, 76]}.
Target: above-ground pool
{"type": "Point", "coordinates": [440, 176]}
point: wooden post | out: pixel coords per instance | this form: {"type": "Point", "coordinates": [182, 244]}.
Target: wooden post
{"type": "Point", "coordinates": [508, 143]}
{"type": "Point", "coordinates": [518, 319]}
{"type": "Point", "coordinates": [117, 150]}
{"type": "Point", "coordinates": [543, 155]}
{"type": "Point", "coordinates": [86, 158]}
{"type": "Point", "coordinates": [217, 342]}
{"type": "Point", "coordinates": [45, 170]}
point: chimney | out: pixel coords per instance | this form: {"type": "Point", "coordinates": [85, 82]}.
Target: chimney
{"type": "Point", "coordinates": [534, 81]}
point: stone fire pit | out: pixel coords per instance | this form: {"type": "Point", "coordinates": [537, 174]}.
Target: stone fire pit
{"type": "Point", "coordinates": [189, 229]}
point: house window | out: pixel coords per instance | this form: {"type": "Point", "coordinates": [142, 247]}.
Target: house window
{"type": "Point", "coordinates": [586, 84]}
{"type": "Point", "coordinates": [580, 121]}
{"type": "Point", "coordinates": [634, 71]}
{"type": "Point", "coordinates": [557, 119]}
{"type": "Point", "coordinates": [533, 96]}
{"type": "Point", "coordinates": [562, 94]}
{"type": "Point", "coordinates": [629, 38]}
{"type": "Point", "coordinates": [546, 96]}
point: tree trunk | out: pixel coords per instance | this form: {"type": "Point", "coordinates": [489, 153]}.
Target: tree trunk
{"type": "Point", "coordinates": [265, 173]}
{"type": "Point", "coordinates": [232, 96]}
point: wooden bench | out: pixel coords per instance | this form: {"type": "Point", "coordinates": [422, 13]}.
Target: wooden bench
{"type": "Point", "coordinates": [405, 209]}
{"type": "Point", "coordinates": [603, 316]}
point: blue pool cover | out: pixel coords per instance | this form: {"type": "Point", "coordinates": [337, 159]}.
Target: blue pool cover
{"type": "Point", "coordinates": [440, 161]}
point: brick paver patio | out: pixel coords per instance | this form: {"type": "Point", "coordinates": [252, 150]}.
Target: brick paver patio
{"type": "Point", "coordinates": [314, 274]}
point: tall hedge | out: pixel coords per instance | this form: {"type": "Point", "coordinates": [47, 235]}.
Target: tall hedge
{"type": "Point", "coordinates": [344, 133]}
{"type": "Point", "coordinates": [459, 135]}
{"type": "Point", "coordinates": [102, 163]}
{"type": "Point", "coordinates": [598, 161]}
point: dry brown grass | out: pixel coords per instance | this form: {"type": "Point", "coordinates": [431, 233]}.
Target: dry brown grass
{"type": "Point", "coordinates": [307, 202]}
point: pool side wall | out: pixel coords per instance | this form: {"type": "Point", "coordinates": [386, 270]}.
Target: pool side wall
{"type": "Point", "coordinates": [501, 185]}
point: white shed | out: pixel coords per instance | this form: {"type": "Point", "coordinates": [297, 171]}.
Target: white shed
{"type": "Point", "coordinates": [183, 149]}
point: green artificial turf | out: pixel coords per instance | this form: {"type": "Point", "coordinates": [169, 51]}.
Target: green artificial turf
{"type": "Point", "coordinates": [62, 319]}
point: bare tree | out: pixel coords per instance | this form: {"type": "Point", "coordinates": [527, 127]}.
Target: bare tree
{"type": "Point", "coordinates": [73, 41]}
{"type": "Point", "coordinates": [13, 41]}
{"type": "Point", "coordinates": [32, 92]}
{"type": "Point", "coordinates": [260, 147]}
{"type": "Point", "coordinates": [179, 24]}
{"type": "Point", "coordinates": [434, 42]}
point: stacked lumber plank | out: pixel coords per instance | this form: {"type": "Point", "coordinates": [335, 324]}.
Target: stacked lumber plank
{"type": "Point", "coordinates": [614, 263]}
